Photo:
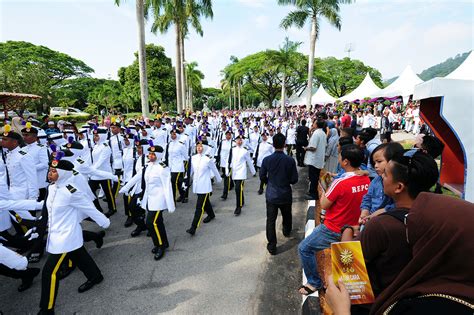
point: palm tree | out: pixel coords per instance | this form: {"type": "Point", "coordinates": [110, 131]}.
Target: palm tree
{"type": "Point", "coordinates": [313, 10]}
{"type": "Point", "coordinates": [142, 7]}
{"type": "Point", "coordinates": [283, 58]}
{"type": "Point", "coordinates": [180, 13]}
{"type": "Point", "coordinates": [193, 77]}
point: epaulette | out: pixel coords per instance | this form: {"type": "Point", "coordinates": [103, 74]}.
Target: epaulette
{"type": "Point", "coordinates": [164, 128]}
{"type": "Point", "coordinates": [40, 145]}
{"type": "Point", "coordinates": [208, 156]}
{"type": "Point", "coordinates": [75, 173]}
{"type": "Point", "coordinates": [22, 152]}
{"type": "Point", "coordinates": [210, 146]}
{"type": "Point", "coordinates": [106, 144]}
{"type": "Point", "coordinates": [181, 142]}
{"type": "Point", "coordinates": [163, 164]}
{"type": "Point", "coordinates": [80, 161]}
{"type": "Point", "coordinates": [186, 134]}
{"type": "Point", "coordinates": [71, 189]}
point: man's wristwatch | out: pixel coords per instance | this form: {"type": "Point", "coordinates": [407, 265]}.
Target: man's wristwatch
{"type": "Point", "coordinates": [347, 226]}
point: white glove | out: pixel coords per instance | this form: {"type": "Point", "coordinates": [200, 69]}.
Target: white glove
{"type": "Point", "coordinates": [115, 178]}
{"type": "Point", "coordinates": [31, 233]}
{"type": "Point", "coordinates": [139, 201]}
{"type": "Point", "coordinates": [39, 205]}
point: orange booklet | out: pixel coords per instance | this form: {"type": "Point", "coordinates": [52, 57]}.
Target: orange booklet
{"type": "Point", "coordinates": [348, 263]}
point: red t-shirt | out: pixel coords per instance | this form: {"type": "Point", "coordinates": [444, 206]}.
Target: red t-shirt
{"type": "Point", "coordinates": [346, 121]}
{"type": "Point", "coordinates": [346, 193]}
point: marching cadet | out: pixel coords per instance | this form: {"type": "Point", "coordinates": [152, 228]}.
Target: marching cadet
{"type": "Point", "coordinates": [116, 147]}
{"type": "Point", "coordinates": [66, 206]}
{"type": "Point", "coordinates": [264, 149]}
{"type": "Point", "coordinates": [239, 161]}
{"type": "Point", "coordinates": [20, 171]}
{"type": "Point", "coordinates": [290, 138]}
{"type": "Point", "coordinates": [223, 152]}
{"type": "Point", "coordinates": [186, 139]}
{"type": "Point", "coordinates": [101, 154]}
{"type": "Point", "coordinates": [203, 170]}
{"type": "Point", "coordinates": [175, 156]}
{"type": "Point", "coordinates": [39, 153]}
{"type": "Point", "coordinates": [254, 140]}
{"type": "Point", "coordinates": [157, 197]}
{"type": "Point", "coordinates": [129, 154]}
{"type": "Point", "coordinates": [160, 133]}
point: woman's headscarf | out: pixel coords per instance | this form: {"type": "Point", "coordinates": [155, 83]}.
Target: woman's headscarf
{"type": "Point", "coordinates": [331, 148]}
{"type": "Point", "coordinates": [16, 125]}
{"type": "Point", "coordinates": [440, 231]}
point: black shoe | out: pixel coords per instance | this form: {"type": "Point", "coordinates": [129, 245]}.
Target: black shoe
{"type": "Point", "coordinates": [47, 312]}
{"type": "Point", "coordinates": [128, 222]}
{"type": "Point", "coordinates": [180, 199]}
{"type": "Point", "coordinates": [185, 200]}
{"type": "Point", "coordinates": [99, 242]}
{"type": "Point", "coordinates": [286, 233]}
{"type": "Point", "coordinates": [224, 197]}
{"type": "Point", "coordinates": [136, 232]}
{"type": "Point", "coordinates": [260, 191]}
{"type": "Point", "coordinates": [237, 211]}
{"type": "Point", "coordinates": [154, 249]}
{"type": "Point", "coordinates": [28, 280]}
{"type": "Point", "coordinates": [272, 251]}
{"type": "Point", "coordinates": [89, 284]}
{"type": "Point", "coordinates": [160, 252]}
{"type": "Point", "coordinates": [34, 257]}
{"type": "Point", "coordinates": [208, 219]}
{"type": "Point", "coordinates": [110, 213]}
{"type": "Point", "coordinates": [191, 231]}
{"type": "Point", "coordinates": [148, 234]}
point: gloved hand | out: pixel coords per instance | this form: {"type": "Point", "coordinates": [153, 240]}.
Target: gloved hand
{"type": "Point", "coordinates": [39, 205]}
{"type": "Point", "coordinates": [31, 235]}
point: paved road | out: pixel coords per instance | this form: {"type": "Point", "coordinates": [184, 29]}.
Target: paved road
{"type": "Point", "coordinates": [224, 268]}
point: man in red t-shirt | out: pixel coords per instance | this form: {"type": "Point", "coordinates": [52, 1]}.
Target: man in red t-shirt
{"type": "Point", "coordinates": [342, 203]}
{"type": "Point", "coordinates": [346, 120]}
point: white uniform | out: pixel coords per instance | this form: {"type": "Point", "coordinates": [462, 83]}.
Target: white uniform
{"type": "Point", "coordinates": [101, 159]}
{"type": "Point", "coordinates": [177, 154]}
{"type": "Point", "coordinates": [67, 207]}
{"type": "Point", "coordinates": [39, 153]}
{"type": "Point", "coordinates": [202, 170]}
{"type": "Point", "coordinates": [116, 147]}
{"type": "Point", "coordinates": [291, 136]}
{"type": "Point", "coordinates": [226, 145]}
{"type": "Point", "coordinates": [160, 136]}
{"type": "Point", "coordinates": [264, 149]}
{"type": "Point", "coordinates": [240, 161]}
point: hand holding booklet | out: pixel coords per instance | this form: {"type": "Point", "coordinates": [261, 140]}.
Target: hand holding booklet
{"type": "Point", "coordinates": [348, 264]}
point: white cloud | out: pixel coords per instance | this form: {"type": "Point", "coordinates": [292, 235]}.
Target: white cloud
{"type": "Point", "coordinates": [253, 3]}
{"type": "Point", "coordinates": [262, 21]}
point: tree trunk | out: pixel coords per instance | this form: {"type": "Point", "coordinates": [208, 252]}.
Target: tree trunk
{"type": "Point", "coordinates": [142, 57]}
{"type": "Point", "coordinates": [312, 46]}
{"type": "Point", "coordinates": [183, 73]}
{"type": "Point", "coordinates": [179, 63]}
{"type": "Point", "coordinates": [240, 104]}
{"type": "Point", "coordinates": [191, 99]}
{"type": "Point", "coordinates": [235, 97]}
{"type": "Point", "coordinates": [283, 94]}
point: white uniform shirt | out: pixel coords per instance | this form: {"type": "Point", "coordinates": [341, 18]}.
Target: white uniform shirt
{"type": "Point", "coordinates": [101, 159]}
{"type": "Point", "coordinates": [226, 145]}
{"type": "Point", "coordinates": [22, 174]}
{"type": "Point", "coordinates": [116, 147]}
{"type": "Point", "coordinates": [128, 162]}
{"type": "Point", "coordinates": [39, 153]}
{"type": "Point", "coordinates": [264, 149]}
{"type": "Point", "coordinates": [160, 137]}
{"type": "Point", "coordinates": [253, 140]}
{"type": "Point", "coordinates": [202, 170]}
{"type": "Point", "coordinates": [240, 161]}
{"type": "Point", "coordinates": [177, 154]}
{"type": "Point", "coordinates": [291, 136]}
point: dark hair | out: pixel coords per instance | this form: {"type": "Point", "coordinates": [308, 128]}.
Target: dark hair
{"type": "Point", "coordinates": [349, 131]}
{"type": "Point", "coordinates": [365, 137]}
{"type": "Point", "coordinates": [419, 172]}
{"type": "Point", "coordinates": [390, 150]}
{"type": "Point", "coordinates": [303, 122]}
{"type": "Point", "coordinates": [433, 146]}
{"type": "Point", "coordinates": [353, 154]}
{"type": "Point", "coordinates": [320, 123]}
{"type": "Point", "coordinates": [345, 141]}
{"type": "Point", "coordinates": [279, 141]}
{"type": "Point", "coordinates": [371, 131]}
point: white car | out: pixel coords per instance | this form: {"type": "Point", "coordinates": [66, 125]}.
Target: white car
{"type": "Point", "coordinates": [69, 111]}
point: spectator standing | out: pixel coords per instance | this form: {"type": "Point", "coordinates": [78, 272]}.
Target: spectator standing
{"type": "Point", "coordinates": [302, 133]}
{"type": "Point", "coordinates": [278, 172]}
{"type": "Point", "coordinates": [314, 159]}
{"type": "Point", "coordinates": [346, 119]}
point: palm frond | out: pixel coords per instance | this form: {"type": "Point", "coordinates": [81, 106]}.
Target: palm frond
{"type": "Point", "coordinates": [295, 18]}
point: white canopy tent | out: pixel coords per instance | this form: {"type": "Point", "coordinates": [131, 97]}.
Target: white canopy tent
{"type": "Point", "coordinates": [448, 105]}
{"type": "Point", "coordinates": [403, 86]}
{"type": "Point", "coordinates": [321, 97]}
{"type": "Point", "coordinates": [299, 100]}
{"type": "Point", "coordinates": [365, 89]}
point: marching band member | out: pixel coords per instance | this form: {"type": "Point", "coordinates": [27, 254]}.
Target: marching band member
{"type": "Point", "coordinates": [264, 149]}
{"type": "Point", "coordinates": [223, 160]}
{"type": "Point", "coordinates": [175, 156]}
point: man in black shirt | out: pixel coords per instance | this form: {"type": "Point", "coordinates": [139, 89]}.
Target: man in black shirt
{"type": "Point", "coordinates": [279, 172]}
{"type": "Point", "coordinates": [302, 133]}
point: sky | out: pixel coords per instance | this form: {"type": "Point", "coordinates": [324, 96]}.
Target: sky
{"type": "Point", "coordinates": [386, 34]}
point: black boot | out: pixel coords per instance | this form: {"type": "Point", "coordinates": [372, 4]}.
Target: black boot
{"type": "Point", "coordinates": [100, 240]}
{"type": "Point", "coordinates": [191, 231]}
{"type": "Point", "coordinates": [128, 222]}
{"type": "Point", "coordinates": [26, 282]}
{"type": "Point", "coordinates": [237, 211]}
{"type": "Point", "coordinates": [160, 252]}
{"type": "Point", "coordinates": [89, 284]}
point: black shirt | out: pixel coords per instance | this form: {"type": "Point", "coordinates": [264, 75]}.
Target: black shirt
{"type": "Point", "coordinates": [279, 172]}
{"type": "Point", "coordinates": [302, 133]}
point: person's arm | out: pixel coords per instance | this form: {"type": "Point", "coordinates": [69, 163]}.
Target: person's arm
{"type": "Point", "coordinates": [249, 163]}
{"type": "Point", "coordinates": [26, 204]}
{"type": "Point", "coordinates": [263, 172]}
{"type": "Point", "coordinates": [87, 209]}
{"type": "Point", "coordinates": [12, 260]}
{"type": "Point", "coordinates": [338, 297]}
{"type": "Point", "coordinates": [326, 203]}
{"type": "Point", "coordinates": [104, 156]}
{"type": "Point", "coordinates": [215, 171]}
{"type": "Point", "coordinates": [294, 173]}
{"type": "Point", "coordinates": [29, 168]}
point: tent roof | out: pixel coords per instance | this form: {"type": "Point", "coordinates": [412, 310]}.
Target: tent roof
{"type": "Point", "coordinates": [465, 71]}
{"type": "Point", "coordinates": [365, 89]}
{"type": "Point", "coordinates": [322, 97]}
{"type": "Point", "coordinates": [404, 85]}
{"type": "Point", "coordinates": [301, 100]}
{"type": "Point", "coordinates": [11, 100]}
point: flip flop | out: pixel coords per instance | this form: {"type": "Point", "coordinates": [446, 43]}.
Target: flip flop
{"type": "Point", "coordinates": [308, 290]}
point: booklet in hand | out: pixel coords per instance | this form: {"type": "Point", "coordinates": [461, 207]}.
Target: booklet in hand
{"type": "Point", "coordinates": [348, 264]}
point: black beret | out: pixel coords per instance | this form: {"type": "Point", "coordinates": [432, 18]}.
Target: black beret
{"type": "Point", "coordinates": [62, 165]}
{"type": "Point", "coordinates": [13, 135]}
{"type": "Point", "coordinates": [155, 148]}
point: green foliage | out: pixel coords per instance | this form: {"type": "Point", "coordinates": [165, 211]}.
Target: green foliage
{"type": "Point", "coordinates": [161, 80]}
{"type": "Point", "coordinates": [341, 76]}
{"type": "Point", "coordinates": [92, 109]}
{"type": "Point", "coordinates": [27, 68]}
{"type": "Point", "coordinates": [444, 68]}
{"type": "Point", "coordinates": [77, 118]}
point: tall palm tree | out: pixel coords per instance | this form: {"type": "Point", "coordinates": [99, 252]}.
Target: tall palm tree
{"type": "Point", "coordinates": [142, 7]}
{"type": "Point", "coordinates": [283, 58]}
{"type": "Point", "coordinates": [193, 77]}
{"type": "Point", "coordinates": [180, 13]}
{"type": "Point", "coordinates": [313, 10]}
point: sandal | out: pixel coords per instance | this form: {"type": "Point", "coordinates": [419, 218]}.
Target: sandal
{"type": "Point", "coordinates": [308, 290]}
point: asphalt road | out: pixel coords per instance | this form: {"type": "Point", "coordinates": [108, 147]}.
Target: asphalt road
{"type": "Point", "coordinates": [224, 268]}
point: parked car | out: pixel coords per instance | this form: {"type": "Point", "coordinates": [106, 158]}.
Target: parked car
{"type": "Point", "coordinates": [11, 114]}
{"type": "Point", "coordinates": [69, 111]}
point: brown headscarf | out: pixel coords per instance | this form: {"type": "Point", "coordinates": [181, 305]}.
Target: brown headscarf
{"type": "Point", "coordinates": [440, 231]}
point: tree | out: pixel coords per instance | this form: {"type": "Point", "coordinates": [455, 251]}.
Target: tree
{"type": "Point", "coordinates": [193, 77]}
{"type": "Point", "coordinates": [313, 10]}
{"type": "Point", "coordinates": [341, 76]}
{"type": "Point", "coordinates": [142, 7]}
{"type": "Point", "coordinates": [75, 92]}
{"type": "Point", "coordinates": [180, 13]}
{"type": "Point", "coordinates": [160, 74]}
{"type": "Point", "coordinates": [28, 68]}
{"type": "Point", "coordinates": [284, 58]}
